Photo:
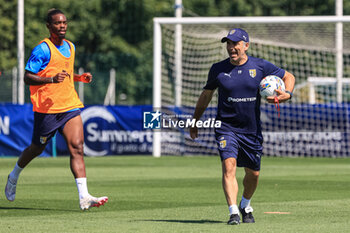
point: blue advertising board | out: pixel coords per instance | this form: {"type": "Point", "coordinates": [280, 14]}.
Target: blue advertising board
{"type": "Point", "coordinates": [108, 130]}
{"type": "Point", "coordinates": [16, 126]}
{"type": "Point", "coordinates": [319, 130]}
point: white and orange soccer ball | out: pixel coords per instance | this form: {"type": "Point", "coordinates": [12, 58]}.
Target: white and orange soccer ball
{"type": "Point", "coordinates": [269, 84]}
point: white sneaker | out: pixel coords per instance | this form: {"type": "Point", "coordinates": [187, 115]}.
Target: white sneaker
{"type": "Point", "coordinates": [10, 189]}
{"type": "Point", "coordinates": [90, 201]}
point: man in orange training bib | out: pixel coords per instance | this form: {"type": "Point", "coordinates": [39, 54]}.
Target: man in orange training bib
{"type": "Point", "coordinates": [50, 74]}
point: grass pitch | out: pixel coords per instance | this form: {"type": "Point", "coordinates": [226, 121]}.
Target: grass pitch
{"type": "Point", "coordinates": [176, 194]}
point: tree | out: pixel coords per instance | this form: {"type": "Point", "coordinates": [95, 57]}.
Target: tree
{"type": "Point", "coordinates": [8, 51]}
{"type": "Point", "coordinates": [119, 33]}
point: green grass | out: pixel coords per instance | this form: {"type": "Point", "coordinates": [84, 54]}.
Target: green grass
{"type": "Point", "coordinates": [176, 194]}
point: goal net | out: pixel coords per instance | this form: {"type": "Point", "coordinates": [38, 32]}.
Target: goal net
{"type": "Point", "coordinates": [314, 123]}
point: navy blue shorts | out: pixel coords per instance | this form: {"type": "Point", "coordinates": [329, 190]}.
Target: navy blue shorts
{"type": "Point", "coordinates": [46, 125]}
{"type": "Point", "coordinates": [245, 148]}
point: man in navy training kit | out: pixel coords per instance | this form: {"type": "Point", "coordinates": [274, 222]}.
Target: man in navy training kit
{"type": "Point", "coordinates": [239, 138]}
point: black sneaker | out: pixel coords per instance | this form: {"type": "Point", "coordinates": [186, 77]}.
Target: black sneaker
{"type": "Point", "coordinates": [234, 219]}
{"type": "Point", "coordinates": [247, 216]}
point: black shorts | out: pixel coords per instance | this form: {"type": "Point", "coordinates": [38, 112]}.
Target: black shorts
{"type": "Point", "coordinates": [46, 125]}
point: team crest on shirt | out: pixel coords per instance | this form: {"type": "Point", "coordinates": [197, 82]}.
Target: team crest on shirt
{"type": "Point", "coordinates": [222, 142]}
{"type": "Point", "coordinates": [43, 139]}
{"type": "Point", "coordinates": [252, 73]}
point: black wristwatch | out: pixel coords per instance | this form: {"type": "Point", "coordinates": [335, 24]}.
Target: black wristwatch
{"type": "Point", "coordinates": [290, 93]}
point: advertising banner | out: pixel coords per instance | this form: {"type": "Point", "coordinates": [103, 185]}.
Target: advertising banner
{"type": "Point", "coordinates": [108, 130]}
{"type": "Point", "coordinates": [319, 130]}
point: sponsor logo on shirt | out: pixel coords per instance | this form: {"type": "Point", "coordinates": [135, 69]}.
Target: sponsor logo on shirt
{"type": "Point", "coordinates": [237, 100]}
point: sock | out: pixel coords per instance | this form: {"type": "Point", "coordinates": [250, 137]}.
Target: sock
{"type": "Point", "coordinates": [82, 187]}
{"type": "Point", "coordinates": [233, 209]}
{"type": "Point", "coordinates": [245, 202]}
{"type": "Point", "coordinates": [15, 173]}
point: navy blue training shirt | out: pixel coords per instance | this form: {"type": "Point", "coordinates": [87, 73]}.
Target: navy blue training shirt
{"type": "Point", "coordinates": [238, 88]}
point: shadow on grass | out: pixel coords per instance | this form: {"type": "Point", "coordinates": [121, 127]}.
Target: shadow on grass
{"type": "Point", "coordinates": [202, 221]}
{"type": "Point", "coordinates": [41, 209]}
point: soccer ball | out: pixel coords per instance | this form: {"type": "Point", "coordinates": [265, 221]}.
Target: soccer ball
{"type": "Point", "coordinates": [269, 84]}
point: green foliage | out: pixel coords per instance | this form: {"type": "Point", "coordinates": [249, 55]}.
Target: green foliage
{"type": "Point", "coordinates": [118, 33]}
{"type": "Point", "coordinates": [8, 34]}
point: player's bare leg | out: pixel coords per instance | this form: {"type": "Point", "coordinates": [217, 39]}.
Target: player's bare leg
{"type": "Point", "coordinates": [74, 135]}
{"type": "Point", "coordinates": [230, 186]}
{"type": "Point", "coordinates": [27, 155]}
{"type": "Point", "coordinates": [250, 182]}
{"type": "Point", "coordinates": [229, 181]}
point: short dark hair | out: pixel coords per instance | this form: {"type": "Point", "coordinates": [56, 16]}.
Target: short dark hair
{"type": "Point", "coordinates": [51, 13]}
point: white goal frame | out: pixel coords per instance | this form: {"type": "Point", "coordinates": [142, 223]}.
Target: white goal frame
{"type": "Point", "coordinates": [157, 49]}
{"type": "Point", "coordinates": [313, 82]}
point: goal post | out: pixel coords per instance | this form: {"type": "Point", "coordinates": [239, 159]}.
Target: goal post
{"type": "Point", "coordinates": [315, 96]}
{"type": "Point", "coordinates": [305, 45]}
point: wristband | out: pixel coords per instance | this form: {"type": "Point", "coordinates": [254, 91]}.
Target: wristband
{"type": "Point", "coordinates": [82, 78]}
{"type": "Point", "coordinates": [290, 93]}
